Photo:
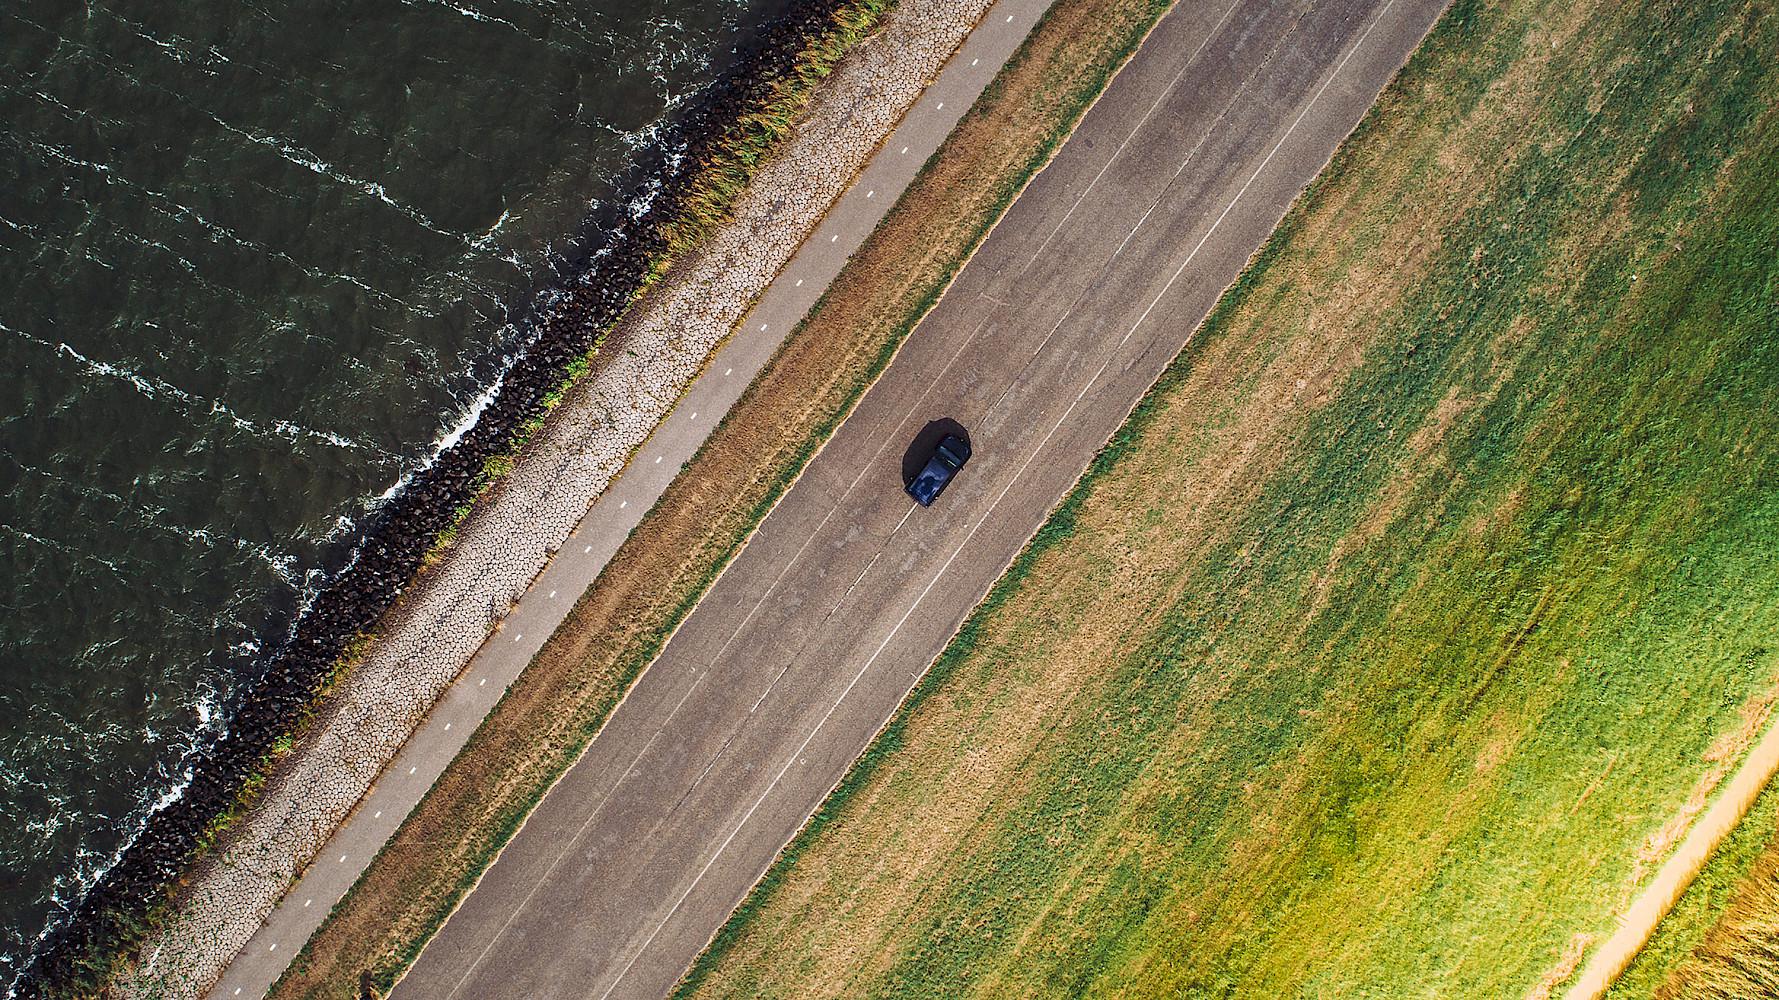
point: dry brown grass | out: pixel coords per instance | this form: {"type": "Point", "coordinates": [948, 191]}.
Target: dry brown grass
{"type": "Point", "coordinates": [938, 871]}
{"type": "Point", "coordinates": [620, 623]}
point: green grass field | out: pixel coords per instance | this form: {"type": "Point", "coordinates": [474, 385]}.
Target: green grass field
{"type": "Point", "coordinates": [1399, 634]}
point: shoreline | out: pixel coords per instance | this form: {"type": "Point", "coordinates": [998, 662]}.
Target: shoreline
{"type": "Point", "coordinates": [566, 322]}
{"type": "Point", "coordinates": [391, 716]}
{"type": "Point", "coordinates": [683, 534]}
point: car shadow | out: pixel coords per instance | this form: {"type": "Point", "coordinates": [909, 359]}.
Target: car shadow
{"type": "Point", "coordinates": [921, 448]}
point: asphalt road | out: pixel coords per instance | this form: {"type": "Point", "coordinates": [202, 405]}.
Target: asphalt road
{"type": "Point", "coordinates": [462, 707]}
{"type": "Point", "coordinates": [802, 650]}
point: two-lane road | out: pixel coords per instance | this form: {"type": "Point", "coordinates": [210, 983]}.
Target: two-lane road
{"type": "Point", "coordinates": [806, 645]}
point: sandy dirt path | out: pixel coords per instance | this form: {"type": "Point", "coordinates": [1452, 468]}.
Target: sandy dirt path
{"type": "Point", "coordinates": [1639, 922]}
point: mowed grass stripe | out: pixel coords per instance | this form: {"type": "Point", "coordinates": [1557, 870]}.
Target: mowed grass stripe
{"type": "Point", "coordinates": [1381, 652]}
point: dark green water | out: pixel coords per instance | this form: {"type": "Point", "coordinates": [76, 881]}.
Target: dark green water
{"type": "Point", "coordinates": [256, 261]}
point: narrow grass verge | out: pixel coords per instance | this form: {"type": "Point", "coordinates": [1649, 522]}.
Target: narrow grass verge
{"type": "Point", "coordinates": [620, 624]}
{"type": "Point", "coordinates": [1392, 643]}
{"type": "Point", "coordinates": [83, 958]}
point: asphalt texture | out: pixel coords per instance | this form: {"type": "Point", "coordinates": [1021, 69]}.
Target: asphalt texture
{"type": "Point", "coordinates": [457, 713]}
{"type": "Point", "coordinates": [805, 646]}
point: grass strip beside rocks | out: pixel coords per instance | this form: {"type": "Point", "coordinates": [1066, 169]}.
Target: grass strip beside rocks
{"type": "Point", "coordinates": [657, 576]}
{"type": "Point", "coordinates": [708, 153]}
{"type": "Point", "coordinates": [1390, 646]}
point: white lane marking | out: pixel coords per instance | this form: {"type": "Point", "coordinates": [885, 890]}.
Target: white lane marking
{"type": "Point", "coordinates": [1009, 18]}
{"type": "Point", "coordinates": [411, 770]}
{"type": "Point", "coordinates": [1263, 164]}
{"type": "Point", "coordinates": [377, 815]}
{"type": "Point", "coordinates": [342, 859]}
{"type": "Point", "coordinates": [1011, 482]}
{"type": "Point", "coordinates": [834, 237]}
{"type": "Point", "coordinates": [622, 504]}
{"type": "Point", "coordinates": [728, 372]}
{"type": "Point", "coordinates": [762, 327]}
{"type": "Point", "coordinates": [516, 638]}
{"type": "Point", "coordinates": [1116, 153]}
{"type": "Point", "coordinates": [759, 531]}
{"type": "Point", "coordinates": [798, 753]}
{"type": "Point", "coordinates": [939, 575]}
{"type": "Point", "coordinates": [835, 507]}
{"type": "Point", "coordinates": [552, 594]}
{"type": "Point", "coordinates": [657, 459]}
{"type": "Point", "coordinates": [447, 727]}
{"type": "Point", "coordinates": [568, 848]}
{"type": "Point", "coordinates": [870, 194]}
{"type": "Point", "coordinates": [904, 150]}
{"type": "Point", "coordinates": [482, 683]}
{"type": "Point", "coordinates": [789, 660]}
{"type": "Point", "coordinates": [587, 550]}
{"type": "Point", "coordinates": [941, 106]}
{"type": "Point", "coordinates": [274, 946]}
{"type": "Point", "coordinates": [1191, 155]}
{"type": "Point", "coordinates": [799, 282]}
{"type": "Point", "coordinates": [306, 903]}
{"type": "Point", "coordinates": [974, 61]}
{"type": "Point", "coordinates": [1160, 197]}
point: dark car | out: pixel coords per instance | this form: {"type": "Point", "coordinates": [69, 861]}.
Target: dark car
{"type": "Point", "coordinates": [948, 457]}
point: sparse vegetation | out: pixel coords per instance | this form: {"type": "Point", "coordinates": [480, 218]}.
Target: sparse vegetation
{"type": "Point", "coordinates": [669, 561]}
{"type": "Point", "coordinates": [1390, 645]}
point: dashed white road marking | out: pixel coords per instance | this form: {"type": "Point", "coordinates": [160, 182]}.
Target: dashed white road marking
{"type": "Point", "coordinates": [377, 815]}
{"type": "Point", "coordinates": [799, 756]}
{"type": "Point", "coordinates": [728, 372]}
{"type": "Point", "coordinates": [483, 682]}
{"type": "Point", "coordinates": [657, 459]}
{"type": "Point", "coordinates": [411, 770]}
{"type": "Point", "coordinates": [987, 514]}
{"type": "Point", "coordinates": [622, 504]}
{"type": "Point", "coordinates": [587, 550]}
{"type": "Point", "coordinates": [1191, 61]}
{"type": "Point", "coordinates": [799, 282]}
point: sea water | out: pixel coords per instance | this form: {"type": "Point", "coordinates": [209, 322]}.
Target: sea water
{"type": "Point", "coordinates": [256, 261]}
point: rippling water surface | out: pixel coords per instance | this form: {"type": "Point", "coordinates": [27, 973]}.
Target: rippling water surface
{"type": "Point", "coordinates": [255, 260]}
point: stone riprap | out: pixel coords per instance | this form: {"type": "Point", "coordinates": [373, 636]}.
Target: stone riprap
{"type": "Point", "coordinates": [641, 373]}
